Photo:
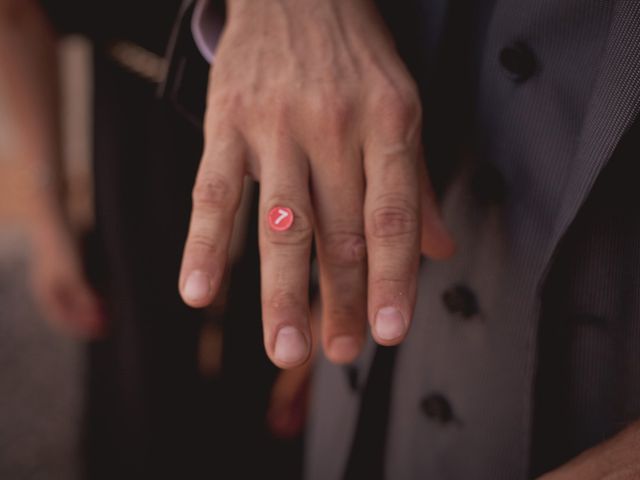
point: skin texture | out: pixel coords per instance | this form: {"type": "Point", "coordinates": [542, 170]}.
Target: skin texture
{"type": "Point", "coordinates": [311, 99]}
{"type": "Point", "coordinates": [29, 96]}
{"type": "Point", "coordinates": [615, 459]}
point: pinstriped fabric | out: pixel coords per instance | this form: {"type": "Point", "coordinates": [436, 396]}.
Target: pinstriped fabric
{"type": "Point", "coordinates": [588, 384]}
{"type": "Point", "coordinates": [614, 106]}
{"type": "Point", "coordinates": [549, 136]}
{"type": "Point", "coordinates": [530, 132]}
{"type": "Point", "coordinates": [589, 375]}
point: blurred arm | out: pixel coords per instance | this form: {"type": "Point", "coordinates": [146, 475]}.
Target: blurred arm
{"type": "Point", "coordinates": [29, 100]}
{"type": "Point", "coordinates": [615, 459]}
{"type": "Point", "coordinates": [30, 104]}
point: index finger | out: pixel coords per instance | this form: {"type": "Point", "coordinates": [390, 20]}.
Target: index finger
{"type": "Point", "coordinates": [216, 196]}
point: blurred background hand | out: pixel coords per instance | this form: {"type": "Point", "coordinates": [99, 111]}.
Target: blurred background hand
{"type": "Point", "coordinates": [59, 281]}
{"type": "Point", "coordinates": [30, 93]}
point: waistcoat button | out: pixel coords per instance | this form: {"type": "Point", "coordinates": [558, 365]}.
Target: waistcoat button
{"type": "Point", "coordinates": [518, 61]}
{"type": "Point", "coordinates": [437, 408]}
{"type": "Point", "coordinates": [460, 300]}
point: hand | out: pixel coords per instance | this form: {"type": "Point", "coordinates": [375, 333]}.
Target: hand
{"type": "Point", "coordinates": [29, 96]}
{"type": "Point", "coordinates": [615, 459]}
{"type": "Point", "coordinates": [59, 284]}
{"type": "Point", "coordinates": [311, 99]}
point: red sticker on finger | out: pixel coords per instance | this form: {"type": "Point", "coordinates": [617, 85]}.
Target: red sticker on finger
{"type": "Point", "coordinates": [280, 218]}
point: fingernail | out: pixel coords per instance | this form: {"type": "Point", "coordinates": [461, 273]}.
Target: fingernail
{"type": "Point", "coordinates": [343, 349]}
{"type": "Point", "coordinates": [291, 346]}
{"type": "Point", "coordinates": [389, 323]}
{"type": "Point", "coordinates": [197, 287]}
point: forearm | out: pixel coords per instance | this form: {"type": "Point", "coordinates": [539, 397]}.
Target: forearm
{"type": "Point", "coordinates": [30, 104]}
{"type": "Point", "coordinates": [617, 458]}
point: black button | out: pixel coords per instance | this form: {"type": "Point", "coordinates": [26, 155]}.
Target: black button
{"type": "Point", "coordinates": [460, 300]}
{"type": "Point", "coordinates": [488, 185]}
{"type": "Point", "coordinates": [518, 61]}
{"type": "Point", "coordinates": [437, 408]}
{"type": "Point", "coordinates": [352, 377]}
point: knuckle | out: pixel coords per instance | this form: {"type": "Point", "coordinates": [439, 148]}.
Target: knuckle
{"type": "Point", "coordinates": [336, 113]}
{"type": "Point", "coordinates": [299, 234]}
{"type": "Point", "coordinates": [331, 116]}
{"type": "Point", "coordinates": [212, 192]}
{"type": "Point", "coordinates": [227, 100]}
{"type": "Point", "coordinates": [397, 219]}
{"type": "Point", "coordinates": [389, 284]}
{"type": "Point", "coordinates": [276, 112]}
{"type": "Point", "coordinates": [344, 248]}
{"type": "Point", "coordinates": [284, 300]}
{"type": "Point", "coordinates": [398, 110]}
{"type": "Point", "coordinates": [224, 109]}
{"type": "Point", "coordinates": [347, 316]}
{"type": "Point", "coordinates": [201, 243]}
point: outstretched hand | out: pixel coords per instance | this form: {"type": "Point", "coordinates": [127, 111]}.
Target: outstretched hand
{"type": "Point", "coordinates": [311, 99]}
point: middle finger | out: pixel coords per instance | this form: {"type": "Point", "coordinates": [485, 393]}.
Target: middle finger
{"type": "Point", "coordinates": [338, 194]}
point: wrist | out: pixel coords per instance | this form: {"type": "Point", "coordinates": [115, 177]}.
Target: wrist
{"type": "Point", "coordinates": [46, 219]}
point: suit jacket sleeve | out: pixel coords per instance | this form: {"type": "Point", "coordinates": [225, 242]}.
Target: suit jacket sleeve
{"type": "Point", "coordinates": [206, 26]}
{"type": "Point", "coordinates": [186, 80]}
{"type": "Point", "coordinates": [71, 16]}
